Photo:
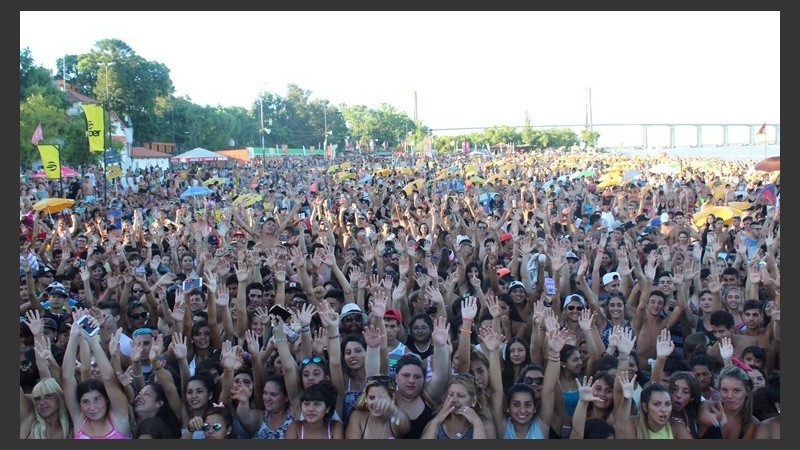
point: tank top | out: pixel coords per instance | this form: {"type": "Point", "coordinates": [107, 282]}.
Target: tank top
{"type": "Point", "coordinates": [265, 432]}
{"type": "Point", "coordinates": [664, 433]}
{"type": "Point", "coordinates": [349, 402]}
{"type": "Point", "coordinates": [395, 355]}
{"type": "Point", "coordinates": [391, 434]}
{"type": "Point", "coordinates": [570, 401]}
{"type": "Point", "coordinates": [418, 424]}
{"type": "Point", "coordinates": [534, 430]}
{"type": "Point", "coordinates": [302, 431]}
{"type": "Point", "coordinates": [440, 434]}
{"type": "Point", "coordinates": [113, 434]}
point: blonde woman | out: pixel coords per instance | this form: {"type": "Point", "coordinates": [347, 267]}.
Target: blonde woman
{"type": "Point", "coordinates": [44, 414]}
{"type": "Point", "coordinates": [464, 414]}
{"type": "Point", "coordinates": [376, 415]}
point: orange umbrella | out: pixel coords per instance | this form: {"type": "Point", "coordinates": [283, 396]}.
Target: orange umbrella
{"type": "Point", "coordinates": [53, 205]}
{"type": "Point", "coordinates": [771, 164]}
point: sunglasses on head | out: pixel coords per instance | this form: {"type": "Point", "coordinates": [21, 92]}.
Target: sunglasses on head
{"type": "Point", "coordinates": [315, 359]}
{"type": "Point", "coordinates": [212, 426]}
{"type": "Point", "coordinates": [142, 315]}
{"type": "Point", "coordinates": [382, 379]}
{"type": "Point", "coordinates": [574, 307]}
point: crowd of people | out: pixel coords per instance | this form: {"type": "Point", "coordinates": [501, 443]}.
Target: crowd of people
{"type": "Point", "coordinates": [545, 295]}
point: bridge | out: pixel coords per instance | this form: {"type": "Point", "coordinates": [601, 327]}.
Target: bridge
{"type": "Point", "coordinates": [772, 131]}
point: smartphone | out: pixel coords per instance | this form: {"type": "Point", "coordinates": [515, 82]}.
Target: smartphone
{"type": "Point", "coordinates": [301, 215]}
{"type": "Point", "coordinates": [87, 327]}
{"type": "Point", "coordinates": [281, 312]}
{"type": "Point", "coordinates": [192, 283]}
{"type": "Point", "coordinates": [550, 286]}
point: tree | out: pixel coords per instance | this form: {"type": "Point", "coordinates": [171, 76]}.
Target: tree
{"type": "Point", "coordinates": [589, 138]}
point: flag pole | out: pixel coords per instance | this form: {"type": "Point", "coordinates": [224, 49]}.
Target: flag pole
{"type": "Point", "coordinates": [60, 171]}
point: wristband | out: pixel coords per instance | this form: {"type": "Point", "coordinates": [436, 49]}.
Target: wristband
{"type": "Point", "coordinates": [281, 339]}
{"type": "Point", "coordinates": [467, 320]}
{"type": "Point", "coordinates": [465, 330]}
{"type": "Point", "coordinates": [306, 329]}
{"type": "Point", "coordinates": [330, 338]}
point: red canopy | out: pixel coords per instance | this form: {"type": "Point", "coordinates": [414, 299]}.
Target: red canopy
{"type": "Point", "coordinates": [65, 172]}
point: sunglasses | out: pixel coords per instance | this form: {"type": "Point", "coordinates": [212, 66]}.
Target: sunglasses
{"type": "Point", "coordinates": [143, 315]}
{"type": "Point", "coordinates": [137, 290]}
{"type": "Point", "coordinates": [315, 360]}
{"type": "Point", "coordinates": [573, 307]}
{"type": "Point", "coordinates": [382, 379]}
{"type": "Point", "coordinates": [353, 318]}
{"type": "Point", "coordinates": [533, 380]}
{"type": "Point", "coordinates": [212, 426]}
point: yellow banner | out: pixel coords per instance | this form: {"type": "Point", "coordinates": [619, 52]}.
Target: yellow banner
{"type": "Point", "coordinates": [95, 129]}
{"type": "Point", "coordinates": [113, 172]}
{"type": "Point", "coordinates": [49, 154]}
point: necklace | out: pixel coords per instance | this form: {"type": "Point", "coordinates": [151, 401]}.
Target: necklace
{"type": "Point", "coordinates": [372, 430]}
{"type": "Point", "coordinates": [426, 347]}
{"type": "Point", "coordinates": [460, 434]}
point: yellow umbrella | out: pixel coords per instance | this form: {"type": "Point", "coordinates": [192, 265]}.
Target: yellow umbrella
{"type": "Point", "coordinates": [611, 181]}
{"type": "Point", "coordinates": [497, 178]}
{"type": "Point", "coordinates": [416, 184]}
{"type": "Point", "coordinates": [333, 168]}
{"type": "Point", "coordinates": [383, 172]}
{"type": "Point", "coordinates": [478, 181]}
{"type": "Point", "coordinates": [247, 199]}
{"type": "Point", "coordinates": [726, 213]}
{"type": "Point", "coordinates": [741, 206]}
{"type": "Point", "coordinates": [346, 176]}
{"type": "Point", "coordinates": [345, 165]}
{"type": "Point", "coordinates": [213, 180]}
{"type": "Point", "coordinates": [53, 205]}
{"type": "Point", "coordinates": [443, 174]}
{"type": "Point", "coordinates": [406, 171]}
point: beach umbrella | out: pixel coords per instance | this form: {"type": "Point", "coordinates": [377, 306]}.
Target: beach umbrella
{"type": "Point", "coordinates": [383, 172]}
{"type": "Point", "coordinates": [485, 197]}
{"type": "Point", "coordinates": [741, 206]}
{"type": "Point", "coordinates": [53, 205]}
{"type": "Point", "coordinates": [478, 181]}
{"type": "Point", "coordinates": [196, 191]}
{"type": "Point", "coordinates": [726, 213]}
{"type": "Point", "coordinates": [416, 184]}
{"type": "Point", "coordinates": [65, 172]}
{"type": "Point", "coordinates": [584, 173]}
{"type": "Point", "coordinates": [247, 199]}
{"type": "Point", "coordinates": [213, 180]}
{"type": "Point", "coordinates": [333, 168]}
{"type": "Point", "coordinates": [346, 176]}
{"type": "Point", "coordinates": [366, 179]}
{"type": "Point", "coordinates": [665, 168]}
{"type": "Point", "coordinates": [771, 164]}
{"type": "Point", "coordinates": [631, 174]}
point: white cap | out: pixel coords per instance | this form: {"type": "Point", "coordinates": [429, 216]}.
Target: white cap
{"type": "Point", "coordinates": [609, 277]}
{"type": "Point", "coordinates": [664, 218]}
{"type": "Point", "coordinates": [461, 238]}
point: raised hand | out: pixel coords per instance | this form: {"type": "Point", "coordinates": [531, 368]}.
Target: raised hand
{"type": "Point", "coordinates": [586, 389]}
{"type": "Point", "coordinates": [627, 380]}
{"type": "Point", "coordinates": [626, 342]}
{"type": "Point", "coordinates": [34, 322]}
{"type": "Point", "coordinates": [489, 338]}
{"type": "Point", "coordinates": [493, 306]}
{"type": "Point", "coordinates": [306, 314]}
{"type": "Point", "coordinates": [320, 338]}
{"type": "Point", "coordinates": [586, 320]}
{"type": "Point", "coordinates": [726, 347]}
{"type": "Point", "coordinates": [469, 308]}
{"type": "Point", "coordinates": [441, 331]}
{"type": "Point", "coordinates": [178, 346]}
{"type": "Point", "coordinates": [664, 344]}
{"type": "Point", "coordinates": [372, 336]}
{"type": "Point", "coordinates": [377, 304]}
{"type": "Point", "coordinates": [556, 339]}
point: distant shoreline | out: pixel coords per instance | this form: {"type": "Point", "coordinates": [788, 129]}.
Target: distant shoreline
{"type": "Point", "coordinates": [755, 152]}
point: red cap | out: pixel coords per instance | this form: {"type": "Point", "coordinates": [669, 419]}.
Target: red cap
{"type": "Point", "coordinates": [503, 272]}
{"type": "Point", "coordinates": [239, 232]}
{"type": "Point", "coordinates": [392, 313]}
{"type": "Point", "coordinates": [505, 236]}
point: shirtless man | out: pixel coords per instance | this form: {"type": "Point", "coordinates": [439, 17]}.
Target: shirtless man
{"type": "Point", "coordinates": [722, 324]}
{"type": "Point", "coordinates": [679, 224]}
{"type": "Point", "coordinates": [648, 321]}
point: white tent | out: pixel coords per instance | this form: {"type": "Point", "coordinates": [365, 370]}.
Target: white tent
{"type": "Point", "coordinates": [198, 155]}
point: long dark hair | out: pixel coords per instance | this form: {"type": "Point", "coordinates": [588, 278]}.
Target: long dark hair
{"type": "Point", "coordinates": [508, 366]}
{"type": "Point", "coordinates": [165, 412]}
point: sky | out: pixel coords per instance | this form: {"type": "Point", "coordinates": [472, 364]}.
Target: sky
{"type": "Point", "coordinates": [468, 69]}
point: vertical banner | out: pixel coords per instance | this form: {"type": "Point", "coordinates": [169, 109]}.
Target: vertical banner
{"type": "Point", "coordinates": [95, 127]}
{"type": "Point", "coordinates": [50, 160]}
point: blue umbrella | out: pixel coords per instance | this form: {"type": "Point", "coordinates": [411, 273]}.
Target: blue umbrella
{"type": "Point", "coordinates": [196, 191]}
{"type": "Point", "coordinates": [485, 197]}
{"type": "Point", "coordinates": [366, 179]}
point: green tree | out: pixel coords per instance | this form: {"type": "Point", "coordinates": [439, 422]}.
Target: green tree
{"type": "Point", "coordinates": [589, 138]}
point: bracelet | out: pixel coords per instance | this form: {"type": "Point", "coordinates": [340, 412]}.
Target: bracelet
{"type": "Point", "coordinates": [281, 339]}
{"type": "Point", "coordinates": [133, 375]}
{"type": "Point", "coordinates": [465, 330]}
{"type": "Point", "coordinates": [305, 329]}
{"type": "Point", "coordinates": [334, 337]}
{"type": "Point", "coordinates": [464, 319]}
{"type": "Point", "coordinates": [554, 359]}
{"type": "Point", "coordinates": [623, 357]}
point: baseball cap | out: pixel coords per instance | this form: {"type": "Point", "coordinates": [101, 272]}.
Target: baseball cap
{"type": "Point", "coordinates": [461, 238]}
{"type": "Point", "coordinates": [239, 232]}
{"type": "Point", "coordinates": [505, 236]}
{"type": "Point", "coordinates": [501, 272]}
{"type": "Point", "coordinates": [664, 217]}
{"type": "Point", "coordinates": [575, 298]}
{"type": "Point", "coordinates": [571, 255]}
{"type": "Point", "coordinates": [656, 222]}
{"type": "Point", "coordinates": [641, 218]}
{"type": "Point", "coordinates": [44, 271]}
{"type": "Point", "coordinates": [516, 284]}
{"type": "Point", "coordinates": [392, 313]}
{"type": "Point", "coordinates": [352, 308]}
{"type": "Point", "coordinates": [49, 323]}
{"type": "Point", "coordinates": [293, 285]}
{"type": "Point", "coordinates": [609, 277]}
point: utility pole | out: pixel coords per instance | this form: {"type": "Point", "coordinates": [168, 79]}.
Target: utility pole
{"type": "Point", "coordinates": [106, 106]}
